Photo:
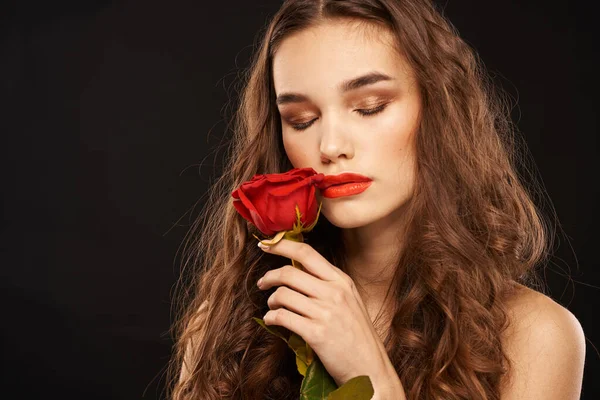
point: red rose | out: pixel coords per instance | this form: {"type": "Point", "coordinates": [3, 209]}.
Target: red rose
{"type": "Point", "coordinates": [269, 201]}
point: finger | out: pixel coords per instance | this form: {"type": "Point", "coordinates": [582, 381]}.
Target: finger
{"type": "Point", "coordinates": [293, 301]}
{"type": "Point", "coordinates": [290, 320]}
{"type": "Point", "coordinates": [314, 262]}
{"type": "Point", "coordinates": [291, 277]}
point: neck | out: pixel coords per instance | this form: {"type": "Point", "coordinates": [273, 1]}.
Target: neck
{"type": "Point", "coordinates": [372, 253]}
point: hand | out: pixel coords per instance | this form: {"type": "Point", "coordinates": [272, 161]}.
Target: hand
{"type": "Point", "coordinates": [323, 306]}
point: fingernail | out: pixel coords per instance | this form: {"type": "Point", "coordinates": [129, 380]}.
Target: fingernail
{"type": "Point", "coordinates": [262, 246]}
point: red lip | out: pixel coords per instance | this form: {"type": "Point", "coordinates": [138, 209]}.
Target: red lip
{"type": "Point", "coordinates": [346, 177]}
{"type": "Point", "coordinates": [346, 189]}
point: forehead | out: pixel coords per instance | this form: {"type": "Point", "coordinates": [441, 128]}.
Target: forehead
{"type": "Point", "coordinates": [321, 56]}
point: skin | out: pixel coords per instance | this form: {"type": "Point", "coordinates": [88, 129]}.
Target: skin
{"type": "Point", "coordinates": [314, 63]}
{"type": "Point", "coordinates": [322, 305]}
{"type": "Point", "coordinates": [544, 341]}
{"type": "Point", "coordinates": [546, 344]}
{"type": "Point", "coordinates": [333, 310]}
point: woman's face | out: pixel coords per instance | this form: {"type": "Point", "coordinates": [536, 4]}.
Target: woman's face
{"type": "Point", "coordinates": [365, 126]}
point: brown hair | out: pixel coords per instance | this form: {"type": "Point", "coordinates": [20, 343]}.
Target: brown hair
{"type": "Point", "coordinates": [474, 230]}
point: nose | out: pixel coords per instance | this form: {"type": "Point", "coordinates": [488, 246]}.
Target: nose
{"type": "Point", "coordinates": [335, 143]}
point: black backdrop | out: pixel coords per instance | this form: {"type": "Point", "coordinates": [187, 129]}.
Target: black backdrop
{"type": "Point", "coordinates": [105, 150]}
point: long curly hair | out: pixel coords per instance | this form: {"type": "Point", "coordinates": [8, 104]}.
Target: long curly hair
{"type": "Point", "coordinates": [474, 228]}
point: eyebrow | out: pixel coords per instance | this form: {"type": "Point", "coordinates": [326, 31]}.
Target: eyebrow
{"type": "Point", "coordinates": [346, 86]}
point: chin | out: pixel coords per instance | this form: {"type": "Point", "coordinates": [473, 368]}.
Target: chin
{"type": "Point", "coordinates": [344, 220]}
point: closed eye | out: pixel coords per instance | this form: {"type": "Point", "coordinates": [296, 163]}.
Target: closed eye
{"type": "Point", "coordinates": [371, 111]}
{"type": "Point", "coordinates": [361, 112]}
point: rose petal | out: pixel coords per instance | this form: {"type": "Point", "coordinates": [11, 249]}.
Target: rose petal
{"type": "Point", "coordinates": [288, 189]}
{"type": "Point", "coordinates": [311, 207]}
{"type": "Point", "coordinates": [269, 200]}
{"type": "Point", "coordinates": [281, 212]}
{"type": "Point", "coordinates": [277, 178]}
{"type": "Point", "coordinates": [248, 204]}
{"type": "Point", "coordinates": [316, 179]}
{"type": "Point", "coordinates": [260, 224]}
{"type": "Point", "coordinates": [304, 172]}
{"type": "Point", "coordinates": [239, 206]}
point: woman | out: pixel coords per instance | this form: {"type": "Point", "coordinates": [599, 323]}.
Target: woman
{"type": "Point", "coordinates": [432, 266]}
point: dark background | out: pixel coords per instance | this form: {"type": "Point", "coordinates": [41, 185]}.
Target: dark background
{"type": "Point", "coordinates": [105, 147]}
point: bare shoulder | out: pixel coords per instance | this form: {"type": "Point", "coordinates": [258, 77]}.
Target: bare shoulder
{"type": "Point", "coordinates": [546, 345]}
{"type": "Point", "coordinates": [530, 310]}
{"type": "Point", "coordinates": [535, 316]}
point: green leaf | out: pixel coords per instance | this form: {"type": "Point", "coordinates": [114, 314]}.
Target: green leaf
{"type": "Point", "coordinates": [274, 240]}
{"type": "Point", "coordinates": [317, 383]}
{"type": "Point", "coordinates": [295, 342]}
{"type": "Point", "coordinates": [311, 226]}
{"type": "Point", "coordinates": [301, 365]}
{"type": "Point", "coordinates": [295, 235]}
{"type": "Point", "coordinates": [272, 329]}
{"type": "Point", "coordinates": [299, 346]}
{"type": "Point", "coordinates": [357, 388]}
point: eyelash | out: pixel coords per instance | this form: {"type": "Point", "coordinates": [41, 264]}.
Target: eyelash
{"type": "Point", "coordinates": [365, 113]}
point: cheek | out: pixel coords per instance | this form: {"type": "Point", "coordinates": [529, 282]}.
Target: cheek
{"type": "Point", "coordinates": [394, 146]}
{"type": "Point", "coordinates": [295, 151]}
{"type": "Point", "coordinates": [395, 138]}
